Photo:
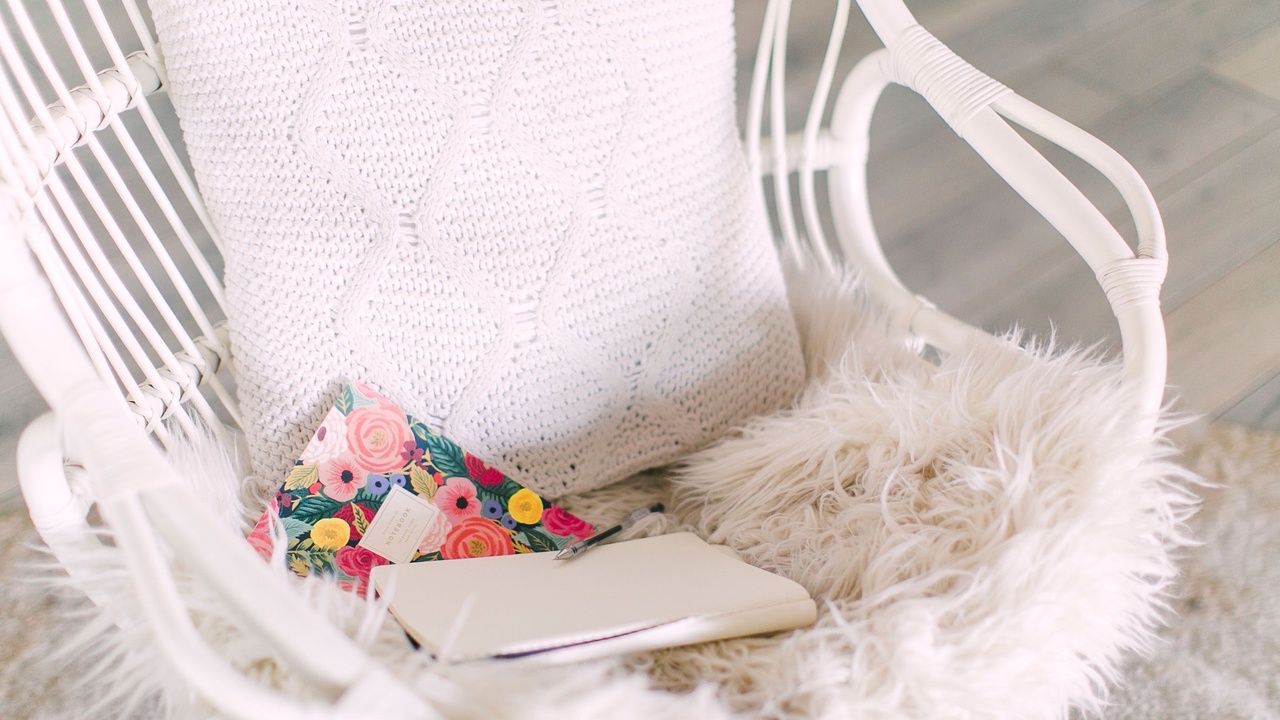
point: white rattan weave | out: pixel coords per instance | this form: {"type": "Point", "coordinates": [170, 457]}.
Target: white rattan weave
{"type": "Point", "coordinates": [111, 300]}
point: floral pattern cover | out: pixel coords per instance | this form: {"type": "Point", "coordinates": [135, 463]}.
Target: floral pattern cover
{"type": "Point", "coordinates": [365, 445]}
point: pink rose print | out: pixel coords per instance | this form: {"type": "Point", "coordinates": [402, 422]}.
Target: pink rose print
{"type": "Point", "coordinates": [358, 587]}
{"type": "Point", "coordinates": [480, 471]}
{"type": "Point", "coordinates": [376, 436]}
{"type": "Point", "coordinates": [457, 498]}
{"type": "Point", "coordinates": [358, 562]}
{"type": "Point", "coordinates": [437, 531]}
{"type": "Point", "coordinates": [328, 442]}
{"type": "Point", "coordinates": [373, 395]}
{"type": "Point", "coordinates": [560, 522]}
{"type": "Point", "coordinates": [476, 537]}
{"type": "Point", "coordinates": [342, 479]}
{"type": "Point", "coordinates": [260, 537]}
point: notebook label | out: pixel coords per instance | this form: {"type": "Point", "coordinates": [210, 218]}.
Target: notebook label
{"type": "Point", "coordinates": [399, 525]}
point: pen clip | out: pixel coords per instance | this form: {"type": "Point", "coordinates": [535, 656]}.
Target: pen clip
{"type": "Point", "coordinates": [587, 543]}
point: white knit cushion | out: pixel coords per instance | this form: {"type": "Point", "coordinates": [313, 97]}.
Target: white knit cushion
{"type": "Point", "coordinates": [528, 223]}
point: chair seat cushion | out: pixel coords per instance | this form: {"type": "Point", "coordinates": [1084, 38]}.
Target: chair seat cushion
{"type": "Point", "coordinates": [987, 537]}
{"type": "Point", "coordinates": [527, 223]}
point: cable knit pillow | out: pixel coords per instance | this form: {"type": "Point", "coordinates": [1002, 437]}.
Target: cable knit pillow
{"type": "Point", "coordinates": [527, 222]}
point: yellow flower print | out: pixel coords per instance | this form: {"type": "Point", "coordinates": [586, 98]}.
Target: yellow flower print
{"type": "Point", "coordinates": [330, 533]}
{"type": "Point", "coordinates": [525, 506]}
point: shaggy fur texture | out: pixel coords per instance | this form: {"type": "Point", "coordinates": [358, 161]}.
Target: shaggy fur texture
{"type": "Point", "coordinates": [987, 537]}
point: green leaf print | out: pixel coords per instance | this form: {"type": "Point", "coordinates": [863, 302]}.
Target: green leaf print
{"type": "Point", "coordinates": [313, 508]}
{"type": "Point", "coordinates": [447, 457]}
{"type": "Point", "coordinates": [294, 527]}
{"type": "Point", "coordinates": [540, 542]}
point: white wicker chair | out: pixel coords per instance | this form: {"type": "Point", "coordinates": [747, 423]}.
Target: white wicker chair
{"type": "Point", "coordinates": [111, 301]}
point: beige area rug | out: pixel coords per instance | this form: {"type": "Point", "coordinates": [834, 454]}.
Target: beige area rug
{"type": "Point", "coordinates": [1219, 659]}
{"type": "Point", "coordinates": [35, 681]}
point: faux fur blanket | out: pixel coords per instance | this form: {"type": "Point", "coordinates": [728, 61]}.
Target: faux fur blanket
{"type": "Point", "coordinates": [988, 537]}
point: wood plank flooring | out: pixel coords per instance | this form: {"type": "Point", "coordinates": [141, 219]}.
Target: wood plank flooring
{"type": "Point", "coordinates": [1187, 90]}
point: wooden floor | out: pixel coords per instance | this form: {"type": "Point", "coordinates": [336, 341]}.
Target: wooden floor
{"type": "Point", "coordinates": [1187, 90]}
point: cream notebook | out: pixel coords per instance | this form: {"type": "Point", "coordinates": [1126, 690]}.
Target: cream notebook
{"type": "Point", "coordinates": [622, 597]}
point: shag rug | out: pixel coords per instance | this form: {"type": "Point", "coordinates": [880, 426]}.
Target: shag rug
{"type": "Point", "coordinates": [988, 536]}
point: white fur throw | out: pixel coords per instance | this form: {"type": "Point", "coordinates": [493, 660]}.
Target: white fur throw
{"type": "Point", "coordinates": [527, 222]}
{"type": "Point", "coordinates": [987, 538]}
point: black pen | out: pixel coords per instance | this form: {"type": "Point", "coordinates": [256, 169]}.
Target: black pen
{"type": "Point", "coordinates": [582, 546]}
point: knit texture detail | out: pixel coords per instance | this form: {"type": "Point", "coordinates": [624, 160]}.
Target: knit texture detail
{"type": "Point", "coordinates": [529, 223]}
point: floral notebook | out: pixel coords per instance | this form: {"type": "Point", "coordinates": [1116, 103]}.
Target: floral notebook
{"type": "Point", "coordinates": [376, 486]}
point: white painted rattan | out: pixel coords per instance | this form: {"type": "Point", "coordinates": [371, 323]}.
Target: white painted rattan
{"type": "Point", "coordinates": [977, 108]}
{"type": "Point", "coordinates": [110, 297]}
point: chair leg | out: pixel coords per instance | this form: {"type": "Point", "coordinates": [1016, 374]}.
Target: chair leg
{"type": "Point", "coordinates": [58, 511]}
